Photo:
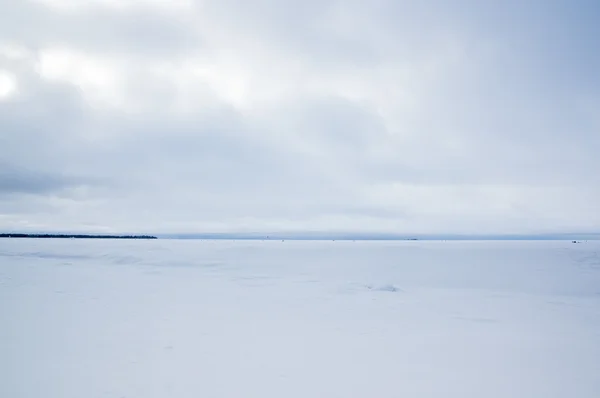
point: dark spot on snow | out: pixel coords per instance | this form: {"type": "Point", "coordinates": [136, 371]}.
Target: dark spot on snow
{"type": "Point", "coordinates": [384, 288]}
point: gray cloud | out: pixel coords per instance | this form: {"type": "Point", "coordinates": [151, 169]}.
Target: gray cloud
{"type": "Point", "coordinates": [387, 116]}
{"type": "Point", "coordinates": [15, 181]}
{"type": "Point", "coordinates": [133, 32]}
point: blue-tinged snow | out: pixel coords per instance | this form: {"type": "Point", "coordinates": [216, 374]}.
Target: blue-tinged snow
{"type": "Point", "coordinates": [168, 318]}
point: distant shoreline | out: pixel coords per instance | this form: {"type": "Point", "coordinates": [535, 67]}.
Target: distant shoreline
{"type": "Point", "coordinates": [76, 236]}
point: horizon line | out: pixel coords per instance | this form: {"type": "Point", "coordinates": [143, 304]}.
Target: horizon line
{"type": "Point", "coordinates": [376, 236]}
{"type": "Point", "coordinates": [307, 235]}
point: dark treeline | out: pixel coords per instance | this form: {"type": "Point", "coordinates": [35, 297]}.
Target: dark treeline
{"type": "Point", "coordinates": [77, 236]}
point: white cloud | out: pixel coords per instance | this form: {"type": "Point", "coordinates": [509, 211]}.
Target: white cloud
{"type": "Point", "coordinates": [8, 84]}
{"type": "Point", "coordinates": [13, 51]}
{"type": "Point", "coordinates": [97, 78]}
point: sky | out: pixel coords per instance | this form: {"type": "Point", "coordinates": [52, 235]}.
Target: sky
{"type": "Point", "coordinates": [386, 116]}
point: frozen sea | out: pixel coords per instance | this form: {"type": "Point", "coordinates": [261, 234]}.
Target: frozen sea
{"type": "Point", "coordinates": [189, 319]}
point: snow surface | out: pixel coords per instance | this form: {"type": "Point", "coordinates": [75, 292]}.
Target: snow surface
{"type": "Point", "coordinates": [167, 318]}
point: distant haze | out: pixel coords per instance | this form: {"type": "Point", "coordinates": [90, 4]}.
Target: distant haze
{"type": "Point", "coordinates": [228, 116]}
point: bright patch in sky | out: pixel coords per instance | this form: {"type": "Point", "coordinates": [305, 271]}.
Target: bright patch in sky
{"type": "Point", "coordinates": [8, 84]}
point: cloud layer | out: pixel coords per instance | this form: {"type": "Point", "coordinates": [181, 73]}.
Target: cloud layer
{"type": "Point", "coordinates": [383, 116]}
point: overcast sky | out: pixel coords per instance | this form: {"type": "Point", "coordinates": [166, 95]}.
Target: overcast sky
{"type": "Point", "coordinates": [316, 115]}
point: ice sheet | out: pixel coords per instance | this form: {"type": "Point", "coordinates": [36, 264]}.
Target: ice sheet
{"type": "Point", "coordinates": [169, 318]}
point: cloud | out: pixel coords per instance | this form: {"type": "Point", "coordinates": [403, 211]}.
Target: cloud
{"type": "Point", "coordinates": [387, 116]}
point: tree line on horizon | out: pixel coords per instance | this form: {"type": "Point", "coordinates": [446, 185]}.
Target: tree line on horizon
{"type": "Point", "coordinates": [76, 236]}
